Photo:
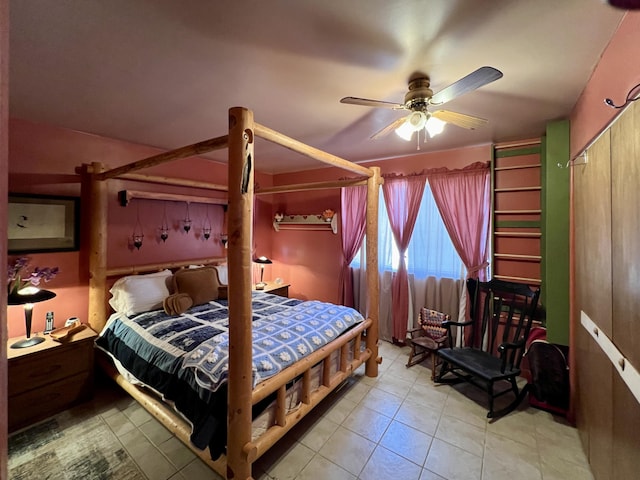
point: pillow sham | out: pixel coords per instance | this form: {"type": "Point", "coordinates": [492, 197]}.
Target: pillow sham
{"type": "Point", "coordinates": [139, 293]}
{"type": "Point", "coordinates": [201, 284]}
{"type": "Point", "coordinates": [223, 278]}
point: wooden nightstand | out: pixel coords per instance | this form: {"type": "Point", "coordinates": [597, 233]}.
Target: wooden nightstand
{"type": "Point", "coordinates": [274, 288]}
{"type": "Point", "coordinates": [49, 377]}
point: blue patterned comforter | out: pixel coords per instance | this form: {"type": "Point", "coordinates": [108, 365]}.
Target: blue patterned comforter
{"type": "Point", "coordinates": [279, 340]}
{"type": "Point", "coordinates": [185, 357]}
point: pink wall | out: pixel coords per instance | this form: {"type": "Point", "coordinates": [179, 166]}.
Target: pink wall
{"type": "Point", "coordinates": [311, 260]}
{"type": "Point", "coordinates": [616, 73]}
{"type": "Point", "coordinates": [42, 159]}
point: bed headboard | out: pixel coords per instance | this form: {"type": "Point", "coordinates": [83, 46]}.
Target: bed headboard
{"type": "Point", "coordinates": [98, 321]}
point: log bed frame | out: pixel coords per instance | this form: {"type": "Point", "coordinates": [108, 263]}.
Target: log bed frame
{"type": "Point", "coordinates": [242, 451]}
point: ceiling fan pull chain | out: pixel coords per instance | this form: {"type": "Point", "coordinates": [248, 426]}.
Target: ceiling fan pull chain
{"type": "Point", "coordinates": [418, 140]}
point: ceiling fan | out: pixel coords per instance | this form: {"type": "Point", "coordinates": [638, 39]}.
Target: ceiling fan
{"type": "Point", "coordinates": [420, 97]}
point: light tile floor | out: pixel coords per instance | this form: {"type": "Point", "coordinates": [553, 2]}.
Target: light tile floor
{"type": "Point", "coordinates": [397, 425]}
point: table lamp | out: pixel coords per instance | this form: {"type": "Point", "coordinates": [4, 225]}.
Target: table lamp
{"type": "Point", "coordinates": [262, 261]}
{"type": "Point", "coordinates": [27, 297]}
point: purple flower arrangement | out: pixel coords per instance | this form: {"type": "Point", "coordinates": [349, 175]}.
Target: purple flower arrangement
{"type": "Point", "coordinates": [19, 276]}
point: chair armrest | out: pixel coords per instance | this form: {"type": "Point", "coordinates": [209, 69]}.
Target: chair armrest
{"type": "Point", "coordinates": [504, 347]}
{"type": "Point", "coordinates": [414, 330]}
{"type": "Point", "coordinates": [450, 323]}
{"type": "Point", "coordinates": [456, 324]}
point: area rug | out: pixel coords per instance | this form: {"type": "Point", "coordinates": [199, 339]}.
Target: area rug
{"type": "Point", "coordinates": [64, 448]}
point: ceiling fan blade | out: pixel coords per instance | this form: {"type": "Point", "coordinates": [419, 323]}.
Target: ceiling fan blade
{"type": "Point", "coordinates": [474, 80]}
{"type": "Point", "coordinates": [459, 119]}
{"type": "Point", "coordinates": [372, 103]}
{"type": "Point", "coordinates": [389, 128]}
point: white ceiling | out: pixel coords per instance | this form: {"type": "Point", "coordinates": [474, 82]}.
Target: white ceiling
{"type": "Point", "coordinates": [165, 72]}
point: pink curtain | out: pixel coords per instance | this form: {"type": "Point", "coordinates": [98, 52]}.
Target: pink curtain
{"type": "Point", "coordinates": [353, 222]}
{"type": "Point", "coordinates": [402, 196]}
{"type": "Point", "coordinates": [463, 199]}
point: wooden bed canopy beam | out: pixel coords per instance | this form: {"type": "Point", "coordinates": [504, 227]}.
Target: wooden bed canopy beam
{"type": "Point", "coordinates": [125, 196]}
{"type": "Point", "coordinates": [156, 267]}
{"type": "Point", "coordinates": [299, 187]}
{"type": "Point", "coordinates": [311, 152]}
{"type": "Point", "coordinates": [199, 148]}
{"type": "Point", "coordinates": [180, 182]}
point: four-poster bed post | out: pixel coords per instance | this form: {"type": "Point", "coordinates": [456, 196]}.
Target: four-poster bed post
{"type": "Point", "coordinates": [239, 229]}
{"type": "Point", "coordinates": [373, 286]}
{"type": "Point", "coordinates": [242, 450]}
{"type": "Point", "coordinates": [98, 221]}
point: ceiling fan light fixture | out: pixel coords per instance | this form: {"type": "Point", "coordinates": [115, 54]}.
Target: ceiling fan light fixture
{"type": "Point", "coordinates": [415, 121]}
{"type": "Point", "coordinates": [434, 126]}
{"type": "Point", "coordinates": [405, 131]}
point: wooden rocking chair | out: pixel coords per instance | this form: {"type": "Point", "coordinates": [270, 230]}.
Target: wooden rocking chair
{"type": "Point", "coordinates": [428, 338]}
{"type": "Point", "coordinates": [501, 317]}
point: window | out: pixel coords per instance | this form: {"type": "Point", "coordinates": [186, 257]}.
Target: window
{"type": "Point", "coordinates": [430, 252]}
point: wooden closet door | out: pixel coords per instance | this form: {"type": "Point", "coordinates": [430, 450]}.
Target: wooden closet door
{"type": "Point", "coordinates": [592, 216]}
{"type": "Point", "coordinates": [625, 179]}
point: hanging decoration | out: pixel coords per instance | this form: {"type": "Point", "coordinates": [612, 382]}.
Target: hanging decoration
{"type": "Point", "coordinates": [187, 221]}
{"type": "Point", "coordinates": [164, 229]}
{"type": "Point", "coordinates": [138, 234]}
{"type": "Point", "coordinates": [206, 229]}
{"type": "Point", "coordinates": [224, 239]}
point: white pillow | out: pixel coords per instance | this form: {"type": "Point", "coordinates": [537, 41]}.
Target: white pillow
{"type": "Point", "coordinates": [139, 293]}
{"type": "Point", "coordinates": [223, 279]}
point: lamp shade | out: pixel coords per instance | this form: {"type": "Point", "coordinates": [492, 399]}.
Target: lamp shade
{"type": "Point", "coordinates": [35, 297]}
{"type": "Point", "coordinates": [263, 260]}
{"type": "Point", "coordinates": [417, 121]}
{"type": "Point", "coordinates": [414, 122]}
{"type": "Point", "coordinates": [434, 126]}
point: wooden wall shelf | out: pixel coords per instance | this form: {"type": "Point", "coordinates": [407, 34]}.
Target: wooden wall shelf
{"type": "Point", "coordinates": [517, 167]}
{"type": "Point", "coordinates": [306, 222]}
{"type": "Point", "coordinates": [518, 212]}
{"type": "Point", "coordinates": [509, 278]}
{"type": "Point", "coordinates": [518, 189]}
{"type": "Point", "coordinates": [517, 234]}
{"type": "Point", "coordinates": [513, 256]}
{"type": "Point", "coordinates": [125, 196]}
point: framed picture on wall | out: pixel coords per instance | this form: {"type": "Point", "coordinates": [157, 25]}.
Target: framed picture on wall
{"type": "Point", "coordinates": [42, 223]}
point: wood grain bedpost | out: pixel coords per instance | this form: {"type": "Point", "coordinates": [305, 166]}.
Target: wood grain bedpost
{"type": "Point", "coordinates": [373, 287]}
{"type": "Point", "coordinates": [97, 223]}
{"type": "Point", "coordinates": [240, 221]}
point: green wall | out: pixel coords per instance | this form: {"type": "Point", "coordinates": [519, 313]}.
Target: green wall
{"type": "Point", "coordinates": [555, 231]}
